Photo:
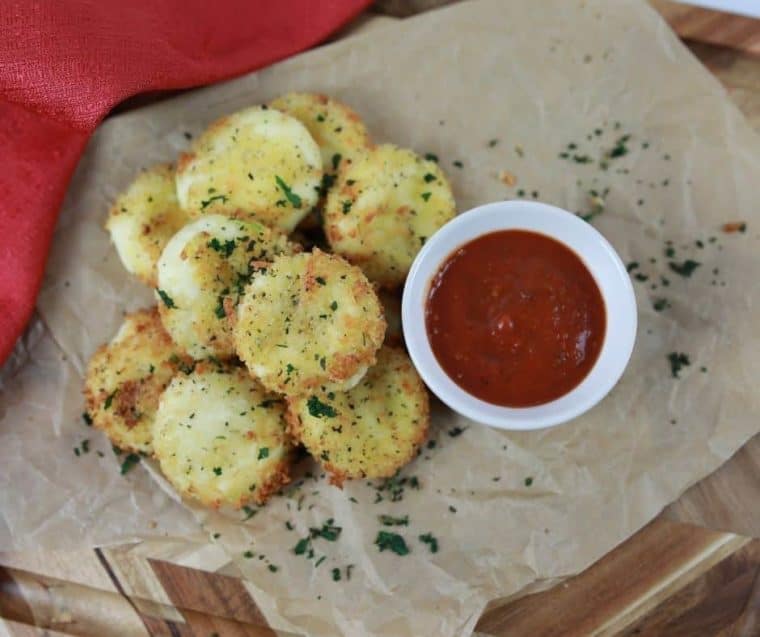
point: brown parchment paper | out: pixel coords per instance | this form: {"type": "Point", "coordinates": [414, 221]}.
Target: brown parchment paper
{"type": "Point", "coordinates": [534, 76]}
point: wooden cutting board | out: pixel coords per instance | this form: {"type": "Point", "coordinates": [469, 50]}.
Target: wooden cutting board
{"type": "Point", "coordinates": [673, 578]}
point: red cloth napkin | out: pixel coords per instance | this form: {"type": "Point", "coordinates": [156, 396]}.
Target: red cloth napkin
{"type": "Point", "coordinates": [65, 64]}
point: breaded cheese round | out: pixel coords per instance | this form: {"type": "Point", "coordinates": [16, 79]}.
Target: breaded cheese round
{"type": "Point", "coordinates": [383, 208]}
{"type": "Point", "coordinates": [370, 431]}
{"type": "Point", "coordinates": [143, 219]}
{"type": "Point", "coordinates": [221, 438]}
{"type": "Point", "coordinates": [201, 273]}
{"type": "Point", "coordinates": [308, 320]}
{"type": "Point", "coordinates": [126, 377]}
{"type": "Point", "coordinates": [338, 130]}
{"type": "Point", "coordinates": [256, 164]}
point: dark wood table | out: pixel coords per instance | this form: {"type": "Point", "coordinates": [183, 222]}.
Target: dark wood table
{"type": "Point", "coordinates": [694, 571]}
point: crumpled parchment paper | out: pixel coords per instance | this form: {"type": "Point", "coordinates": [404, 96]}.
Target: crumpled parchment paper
{"type": "Point", "coordinates": [487, 87]}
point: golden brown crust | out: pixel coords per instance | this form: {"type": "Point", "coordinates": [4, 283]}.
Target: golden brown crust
{"type": "Point", "coordinates": [382, 209]}
{"type": "Point", "coordinates": [221, 438]}
{"type": "Point", "coordinates": [256, 164]}
{"type": "Point", "coordinates": [125, 379]}
{"type": "Point", "coordinates": [370, 431]}
{"type": "Point", "coordinates": [143, 219]}
{"type": "Point", "coordinates": [308, 320]}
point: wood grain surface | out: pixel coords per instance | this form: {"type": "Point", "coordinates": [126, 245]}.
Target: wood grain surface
{"type": "Point", "coordinates": [694, 571]}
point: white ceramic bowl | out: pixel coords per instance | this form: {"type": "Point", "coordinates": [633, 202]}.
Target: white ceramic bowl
{"type": "Point", "coordinates": [598, 256]}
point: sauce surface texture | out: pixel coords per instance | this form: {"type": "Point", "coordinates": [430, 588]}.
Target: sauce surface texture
{"type": "Point", "coordinates": [515, 318]}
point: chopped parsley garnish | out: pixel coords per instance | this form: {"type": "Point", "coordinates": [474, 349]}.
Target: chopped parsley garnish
{"type": "Point", "coordinates": [347, 206]}
{"type": "Point", "coordinates": [389, 520]}
{"type": "Point", "coordinates": [336, 574]}
{"type": "Point", "coordinates": [207, 202]}
{"type": "Point", "coordinates": [263, 453]}
{"type": "Point", "coordinates": [685, 269]}
{"type": "Point", "coordinates": [660, 304]}
{"type": "Point", "coordinates": [219, 309]}
{"type": "Point", "coordinates": [182, 365]}
{"type": "Point", "coordinates": [109, 399]}
{"type": "Point", "coordinates": [320, 117]}
{"type": "Point", "coordinates": [130, 461]}
{"type": "Point", "coordinates": [225, 249]}
{"type": "Point", "coordinates": [320, 280]}
{"type": "Point", "coordinates": [453, 509]}
{"type": "Point", "coordinates": [87, 419]}
{"type": "Point", "coordinates": [168, 301]}
{"type": "Point", "coordinates": [458, 163]}
{"type": "Point", "coordinates": [248, 555]}
{"type": "Point", "coordinates": [327, 181]}
{"type": "Point", "coordinates": [272, 568]}
{"type": "Point", "coordinates": [429, 177]}
{"type": "Point", "coordinates": [426, 195]}
{"type": "Point", "coordinates": [292, 197]}
{"type": "Point", "coordinates": [427, 538]}
{"type": "Point", "coordinates": [329, 531]}
{"type": "Point", "coordinates": [301, 546]}
{"type": "Point", "coordinates": [334, 306]}
{"type": "Point", "coordinates": [218, 471]}
{"type": "Point", "coordinates": [336, 160]}
{"type": "Point", "coordinates": [391, 541]}
{"type": "Point", "coordinates": [632, 266]}
{"type": "Point", "coordinates": [492, 142]}
{"type": "Point", "coordinates": [394, 487]}
{"type": "Point", "coordinates": [431, 157]}
{"type": "Point", "coordinates": [528, 481]}
{"type": "Point", "coordinates": [457, 431]}
{"type": "Point", "coordinates": [249, 512]}
{"type": "Point", "coordinates": [289, 369]}
{"type": "Point", "coordinates": [318, 409]}
{"type": "Point", "coordinates": [677, 361]}
{"type": "Point", "coordinates": [620, 148]}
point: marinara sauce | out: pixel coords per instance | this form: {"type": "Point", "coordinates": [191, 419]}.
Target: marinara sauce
{"type": "Point", "coordinates": [515, 318]}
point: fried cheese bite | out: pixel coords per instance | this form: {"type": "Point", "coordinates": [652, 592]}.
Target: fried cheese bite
{"type": "Point", "coordinates": [201, 273]}
{"type": "Point", "coordinates": [143, 219]}
{"type": "Point", "coordinates": [126, 377]}
{"type": "Point", "coordinates": [256, 164]}
{"type": "Point", "coordinates": [308, 320]}
{"type": "Point", "coordinates": [221, 438]}
{"type": "Point", "coordinates": [370, 431]}
{"type": "Point", "coordinates": [383, 208]}
{"type": "Point", "coordinates": [338, 130]}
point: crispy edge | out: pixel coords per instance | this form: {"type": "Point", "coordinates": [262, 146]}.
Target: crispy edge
{"type": "Point", "coordinates": [337, 475]}
{"type": "Point", "coordinates": [93, 399]}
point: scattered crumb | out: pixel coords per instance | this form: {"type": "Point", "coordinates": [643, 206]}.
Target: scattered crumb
{"type": "Point", "coordinates": [734, 226]}
{"type": "Point", "coordinates": [507, 178]}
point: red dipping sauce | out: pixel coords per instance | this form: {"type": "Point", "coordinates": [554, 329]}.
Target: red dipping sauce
{"type": "Point", "coordinates": [515, 318]}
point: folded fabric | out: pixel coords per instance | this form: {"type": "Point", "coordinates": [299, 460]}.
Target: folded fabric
{"type": "Point", "coordinates": [65, 65]}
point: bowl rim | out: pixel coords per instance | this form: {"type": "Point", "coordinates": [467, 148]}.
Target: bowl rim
{"type": "Point", "coordinates": [599, 257]}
